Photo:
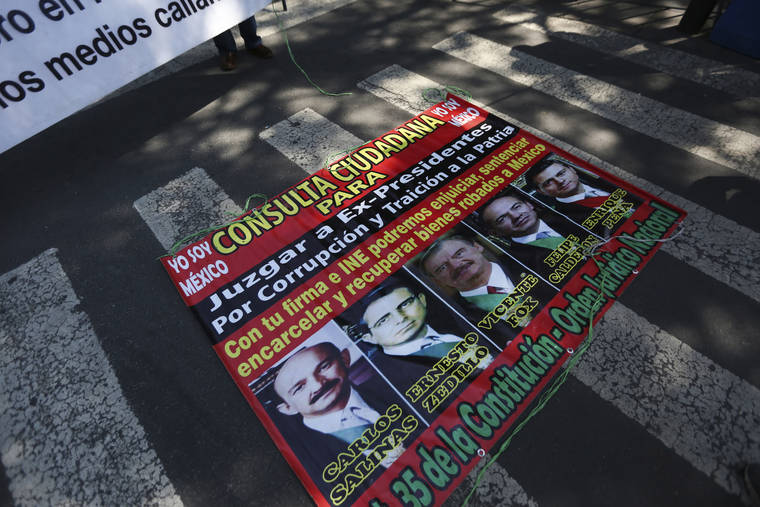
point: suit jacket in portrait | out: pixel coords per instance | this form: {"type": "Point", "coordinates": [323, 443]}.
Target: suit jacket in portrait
{"type": "Point", "coordinates": [315, 449]}
{"type": "Point", "coordinates": [533, 256]}
{"type": "Point", "coordinates": [402, 371]}
{"type": "Point", "coordinates": [502, 332]}
{"type": "Point", "coordinates": [578, 212]}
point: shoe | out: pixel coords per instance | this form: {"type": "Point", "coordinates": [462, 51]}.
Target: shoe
{"type": "Point", "coordinates": [752, 481]}
{"type": "Point", "coordinates": [261, 51]}
{"type": "Point", "coordinates": [228, 61]}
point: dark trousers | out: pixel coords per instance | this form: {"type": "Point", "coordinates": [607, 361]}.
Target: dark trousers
{"type": "Point", "coordinates": [225, 41]}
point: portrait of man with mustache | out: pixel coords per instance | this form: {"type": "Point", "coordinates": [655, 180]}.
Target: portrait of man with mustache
{"type": "Point", "coordinates": [313, 384]}
{"type": "Point", "coordinates": [322, 397]}
{"type": "Point", "coordinates": [458, 264]}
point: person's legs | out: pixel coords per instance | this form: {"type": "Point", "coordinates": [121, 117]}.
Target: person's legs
{"type": "Point", "coordinates": [247, 29]}
{"type": "Point", "coordinates": [225, 42]}
{"type": "Point", "coordinates": [252, 40]}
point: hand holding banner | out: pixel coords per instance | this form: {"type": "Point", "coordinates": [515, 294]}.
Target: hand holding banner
{"type": "Point", "coordinates": [59, 56]}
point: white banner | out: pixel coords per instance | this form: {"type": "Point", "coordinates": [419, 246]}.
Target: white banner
{"type": "Point", "coordinates": [58, 56]}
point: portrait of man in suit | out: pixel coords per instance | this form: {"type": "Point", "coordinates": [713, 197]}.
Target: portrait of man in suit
{"type": "Point", "coordinates": [394, 330]}
{"type": "Point", "coordinates": [396, 318]}
{"type": "Point", "coordinates": [458, 264]}
{"type": "Point", "coordinates": [554, 177]}
{"type": "Point", "coordinates": [530, 232]}
{"type": "Point", "coordinates": [313, 384]}
{"type": "Point", "coordinates": [577, 193]}
{"type": "Point", "coordinates": [322, 397]}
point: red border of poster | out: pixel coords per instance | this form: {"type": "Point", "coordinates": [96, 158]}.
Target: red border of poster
{"type": "Point", "coordinates": [308, 264]}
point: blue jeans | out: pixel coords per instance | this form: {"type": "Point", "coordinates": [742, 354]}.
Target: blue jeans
{"type": "Point", "coordinates": [225, 41]}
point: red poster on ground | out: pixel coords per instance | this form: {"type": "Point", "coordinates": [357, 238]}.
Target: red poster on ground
{"type": "Point", "coordinates": [391, 316]}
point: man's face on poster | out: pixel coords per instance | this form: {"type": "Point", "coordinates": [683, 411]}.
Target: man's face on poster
{"type": "Point", "coordinates": [458, 264]}
{"type": "Point", "coordinates": [395, 318]}
{"type": "Point", "coordinates": [509, 216]}
{"type": "Point", "coordinates": [557, 180]}
{"type": "Point", "coordinates": [314, 381]}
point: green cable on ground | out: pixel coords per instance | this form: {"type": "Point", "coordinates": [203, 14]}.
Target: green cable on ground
{"type": "Point", "coordinates": [549, 392]}
{"type": "Point", "coordinates": [337, 154]}
{"type": "Point", "coordinates": [178, 244]}
{"type": "Point", "coordinates": [255, 196]}
{"type": "Point", "coordinates": [293, 59]}
{"type": "Point", "coordinates": [560, 378]}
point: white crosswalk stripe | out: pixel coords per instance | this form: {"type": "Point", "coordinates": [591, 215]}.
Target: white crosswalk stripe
{"type": "Point", "coordinates": [67, 434]}
{"type": "Point", "coordinates": [720, 76]}
{"type": "Point", "coordinates": [308, 139]}
{"type": "Point", "coordinates": [713, 244]}
{"type": "Point", "coordinates": [731, 147]}
{"type": "Point", "coordinates": [703, 412]}
{"type": "Point", "coordinates": [184, 206]}
{"type": "Point", "coordinates": [496, 487]}
{"type": "Point", "coordinates": [659, 362]}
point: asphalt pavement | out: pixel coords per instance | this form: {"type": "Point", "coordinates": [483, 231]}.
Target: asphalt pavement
{"type": "Point", "coordinates": [110, 392]}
